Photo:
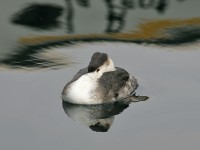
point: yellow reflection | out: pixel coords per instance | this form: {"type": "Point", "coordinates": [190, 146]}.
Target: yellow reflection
{"type": "Point", "coordinates": [154, 29]}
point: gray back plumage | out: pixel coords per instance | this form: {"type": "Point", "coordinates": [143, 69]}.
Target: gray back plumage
{"type": "Point", "coordinates": [112, 82]}
{"type": "Point", "coordinates": [114, 79]}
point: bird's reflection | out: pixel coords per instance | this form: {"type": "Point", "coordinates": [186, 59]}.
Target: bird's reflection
{"type": "Point", "coordinates": [99, 117]}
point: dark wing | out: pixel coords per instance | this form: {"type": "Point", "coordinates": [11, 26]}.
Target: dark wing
{"type": "Point", "coordinates": [112, 82]}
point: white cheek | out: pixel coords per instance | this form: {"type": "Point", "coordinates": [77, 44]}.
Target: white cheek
{"type": "Point", "coordinates": [111, 66]}
{"type": "Point", "coordinates": [106, 68]}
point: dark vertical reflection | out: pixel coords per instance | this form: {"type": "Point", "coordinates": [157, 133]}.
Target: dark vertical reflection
{"type": "Point", "coordinates": [161, 6]}
{"type": "Point", "coordinates": [70, 16]}
{"type": "Point", "coordinates": [116, 16]}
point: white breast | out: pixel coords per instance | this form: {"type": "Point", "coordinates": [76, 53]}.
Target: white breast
{"type": "Point", "coordinates": [82, 91]}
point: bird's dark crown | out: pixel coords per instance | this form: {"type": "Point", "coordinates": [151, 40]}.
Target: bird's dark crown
{"type": "Point", "coordinates": [97, 60]}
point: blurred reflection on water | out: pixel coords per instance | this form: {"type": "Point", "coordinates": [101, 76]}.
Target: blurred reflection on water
{"type": "Point", "coordinates": [99, 117]}
{"type": "Point", "coordinates": [45, 15]}
{"type": "Point", "coordinates": [39, 16]}
{"type": "Point", "coordinates": [41, 25]}
{"type": "Point", "coordinates": [37, 56]}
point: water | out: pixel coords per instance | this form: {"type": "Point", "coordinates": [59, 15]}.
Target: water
{"type": "Point", "coordinates": [36, 63]}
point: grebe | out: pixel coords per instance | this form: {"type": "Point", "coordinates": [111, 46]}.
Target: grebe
{"type": "Point", "coordinates": [100, 82]}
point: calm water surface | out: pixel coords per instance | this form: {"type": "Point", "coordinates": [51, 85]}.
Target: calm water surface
{"type": "Point", "coordinates": [156, 41]}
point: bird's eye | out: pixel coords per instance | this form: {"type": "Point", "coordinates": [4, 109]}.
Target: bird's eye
{"type": "Point", "coordinates": [98, 70]}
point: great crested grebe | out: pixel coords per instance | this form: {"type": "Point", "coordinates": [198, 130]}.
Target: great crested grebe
{"type": "Point", "coordinates": [99, 83]}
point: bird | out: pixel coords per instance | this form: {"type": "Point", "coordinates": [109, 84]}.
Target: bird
{"type": "Point", "coordinates": [100, 82]}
